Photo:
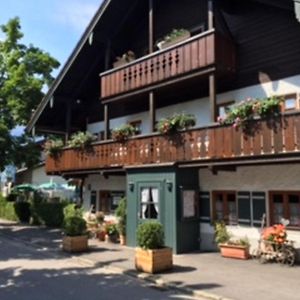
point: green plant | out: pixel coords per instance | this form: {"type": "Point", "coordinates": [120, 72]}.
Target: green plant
{"type": "Point", "coordinates": [121, 213]}
{"type": "Point", "coordinates": [74, 226]}
{"type": "Point", "coordinates": [245, 111]}
{"type": "Point", "coordinates": [175, 33]}
{"type": "Point", "coordinates": [150, 235]}
{"type": "Point", "coordinates": [7, 210]}
{"type": "Point", "coordinates": [53, 147]}
{"type": "Point", "coordinates": [176, 122]}
{"type": "Point", "coordinates": [100, 217]}
{"type": "Point", "coordinates": [123, 132]}
{"type": "Point", "coordinates": [22, 210]}
{"type": "Point", "coordinates": [111, 229]}
{"type": "Point", "coordinates": [81, 140]}
{"type": "Point", "coordinates": [51, 214]}
{"type": "Point", "coordinates": [222, 236]}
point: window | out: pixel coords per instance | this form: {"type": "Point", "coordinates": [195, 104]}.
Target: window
{"type": "Point", "coordinates": [204, 207]}
{"type": "Point", "coordinates": [223, 108]}
{"type": "Point", "coordinates": [115, 199]}
{"type": "Point", "coordinates": [149, 203]}
{"type": "Point", "coordinates": [291, 102]}
{"type": "Point", "coordinates": [285, 205]}
{"type": "Point", "coordinates": [109, 200]}
{"type": "Point", "coordinates": [138, 125]}
{"type": "Point", "coordinates": [225, 207]}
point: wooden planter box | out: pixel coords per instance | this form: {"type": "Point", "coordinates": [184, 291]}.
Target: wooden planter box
{"type": "Point", "coordinates": [234, 251]}
{"type": "Point", "coordinates": [153, 261]}
{"type": "Point", "coordinates": [164, 45]}
{"type": "Point", "coordinates": [75, 243]}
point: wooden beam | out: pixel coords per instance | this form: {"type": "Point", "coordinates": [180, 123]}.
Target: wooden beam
{"type": "Point", "coordinates": [152, 111]}
{"type": "Point", "coordinates": [106, 122]}
{"type": "Point", "coordinates": [210, 22]}
{"type": "Point", "coordinates": [213, 97]}
{"type": "Point", "coordinates": [151, 31]}
{"type": "Point", "coordinates": [68, 120]}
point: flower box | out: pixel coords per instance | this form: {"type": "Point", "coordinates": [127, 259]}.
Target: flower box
{"type": "Point", "coordinates": [166, 44]}
{"type": "Point", "coordinates": [153, 261]}
{"type": "Point", "coordinates": [234, 251]}
{"type": "Point", "coordinates": [75, 243]}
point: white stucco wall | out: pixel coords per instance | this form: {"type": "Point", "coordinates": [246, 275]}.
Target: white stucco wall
{"type": "Point", "coordinates": [99, 183]}
{"type": "Point", "coordinates": [200, 107]}
{"type": "Point", "coordinates": [283, 177]}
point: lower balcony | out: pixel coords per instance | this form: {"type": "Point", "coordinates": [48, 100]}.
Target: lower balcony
{"type": "Point", "coordinates": [265, 139]}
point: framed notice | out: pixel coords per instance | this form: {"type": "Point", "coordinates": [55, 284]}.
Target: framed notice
{"type": "Point", "coordinates": [189, 203]}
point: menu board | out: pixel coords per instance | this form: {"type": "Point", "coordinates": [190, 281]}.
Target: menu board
{"type": "Point", "coordinates": [188, 203]}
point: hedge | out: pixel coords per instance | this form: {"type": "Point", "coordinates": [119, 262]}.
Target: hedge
{"type": "Point", "coordinates": [7, 210]}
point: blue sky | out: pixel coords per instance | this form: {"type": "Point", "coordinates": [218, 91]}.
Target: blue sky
{"type": "Point", "coordinates": [55, 26]}
{"type": "Point", "coordinates": [52, 25]}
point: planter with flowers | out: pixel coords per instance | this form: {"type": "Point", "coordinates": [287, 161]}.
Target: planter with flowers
{"type": "Point", "coordinates": [123, 133]}
{"type": "Point", "coordinates": [81, 141]}
{"type": "Point", "coordinates": [231, 248]}
{"type": "Point", "coordinates": [111, 232]}
{"type": "Point", "coordinates": [53, 147]}
{"type": "Point", "coordinates": [176, 123]}
{"type": "Point", "coordinates": [126, 58]}
{"type": "Point", "coordinates": [174, 37]}
{"type": "Point", "coordinates": [244, 112]}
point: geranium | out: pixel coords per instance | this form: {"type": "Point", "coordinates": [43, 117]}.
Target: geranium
{"type": "Point", "coordinates": [276, 233]}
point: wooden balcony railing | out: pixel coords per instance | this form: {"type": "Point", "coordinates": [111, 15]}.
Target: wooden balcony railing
{"type": "Point", "coordinates": [199, 53]}
{"type": "Point", "coordinates": [277, 137]}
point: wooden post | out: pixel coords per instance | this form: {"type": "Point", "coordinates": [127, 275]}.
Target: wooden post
{"type": "Point", "coordinates": [210, 21]}
{"type": "Point", "coordinates": [152, 111]}
{"type": "Point", "coordinates": [68, 120]}
{"type": "Point", "coordinates": [106, 122]}
{"type": "Point", "coordinates": [213, 97]}
{"type": "Point", "coordinates": [151, 34]}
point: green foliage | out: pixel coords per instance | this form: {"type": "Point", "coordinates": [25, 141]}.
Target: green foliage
{"type": "Point", "coordinates": [111, 229]}
{"type": "Point", "coordinates": [7, 210]}
{"type": "Point", "coordinates": [150, 235]}
{"type": "Point", "coordinates": [74, 226]}
{"type": "Point", "coordinates": [81, 140]}
{"type": "Point", "coordinates": [22, 210]}
{"type": "Point", "coordinates": [174, 34]}
{"type": "Point", "coordinates": [51, 214]}
{"type": "Point", "coordinates": [72, 210]}
{"type": "Point", "coordinates": [121, 213]}
{"type": "Point", "coordinates": [222, 236]}
{"type": "Point", "coordinates": [53, 147]}
{"type": "Point", "coordinates": [123, 132]}
{"type": "Point", "coordinates": [24, 71]}
{"type": "Point", "coordinates": [245, 111]}
{"type": "Point", "coordinates": [100, 217]}
{"type": "Point", "coordinates": [176, 122]}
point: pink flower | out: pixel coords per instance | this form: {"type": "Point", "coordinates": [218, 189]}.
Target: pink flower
{"type": "Point", "coordinates": [220, 119]}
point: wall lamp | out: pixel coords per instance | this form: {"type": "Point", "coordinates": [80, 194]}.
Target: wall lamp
{"type": "Point", "coordinates": [169, 184]}
{"type": "Point", "coordinates": [131, 186]}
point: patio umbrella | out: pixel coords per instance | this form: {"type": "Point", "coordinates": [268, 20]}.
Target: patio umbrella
{"type": "Point", "coordinates": [25, 187]}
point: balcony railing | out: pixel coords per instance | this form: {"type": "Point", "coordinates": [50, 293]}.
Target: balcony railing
{"type": "Point", "coordinates": [267, 138]}
{"type": "Point", "coordinates": [199, 53]}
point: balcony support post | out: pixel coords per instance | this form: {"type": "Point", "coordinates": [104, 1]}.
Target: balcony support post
{"type": "Point", "coordinates": [151, 35]}
{"type": "Point", "coordinates": [68, 120]}
{"type": "Point", "coordinates": [107, 55]}
{"type": "Point", "coordinates": [152, 116]}
{"type": "Point", "coordinates": [106, 122]}
{"type": "Point", "coordinates": [213, 97]}
{"type": "Point", "coordinates": [210, 20]}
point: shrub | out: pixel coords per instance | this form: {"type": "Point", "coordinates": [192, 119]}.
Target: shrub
{"type": "Point", "coordinates": [22, 210]}
{"type": "Point", "coordinates": [51, 214]}
{"type": "Point", "coordinates": [222, 236]}
{"type": "Point", "coordinates": [72, 210]}
{"type": "Point", "coordinates": [7, 210]}
{"type": "Point", "coordinates": [121, 213]}
{"type": "Point", "coordinates": [150, 235]}
{"type": "Point", "coordinates": [111, 229]}
{"type": "Point", "coordinates": [74, 226]}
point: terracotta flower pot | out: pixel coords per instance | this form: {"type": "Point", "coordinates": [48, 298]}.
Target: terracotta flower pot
{"type": "Point", "coordinates": [234, 251]}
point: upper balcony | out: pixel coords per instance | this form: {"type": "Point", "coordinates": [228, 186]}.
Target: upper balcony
{"type": "Point", "coordinates": [201, 54]}
{"type": "Point", "coordinates": [221, 144]}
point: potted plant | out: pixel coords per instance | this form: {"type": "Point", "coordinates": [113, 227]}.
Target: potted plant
{"type": "Point", "coordinates": [126, 58]}
{"type": "Point", "coordinates": [175, 123]}
{"type": "Point", "coordinates": [53, 147]}
{"type": "Point", "coordinates": [101, 229]}
{"type": "Point", "coordinates": [81, 140]}
{"type": "Point", "coordinates": [151, 256]}
{"type": "Point", "coordinates": [122, 133]}
{"type": "Point", "coordinates": [174, 37]}
{"type": "Point", "coordinates": [75, 238]}
{"type": "Point", "coordinates": [121, 213]}
{"type": "Point", "coordinates": [111, 232]}
{"type": "Point", "coordinates": [229, 247]}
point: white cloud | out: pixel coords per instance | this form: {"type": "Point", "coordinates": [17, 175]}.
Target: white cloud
{"type": "Point", "coordinates": [76, 13]}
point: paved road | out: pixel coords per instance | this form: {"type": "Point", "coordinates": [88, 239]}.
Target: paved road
{"type": "Point", "coordinates": [26, 273]}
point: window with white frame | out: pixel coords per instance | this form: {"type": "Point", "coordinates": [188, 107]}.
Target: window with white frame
{"type": "Point", "coordinates": [149, 203]}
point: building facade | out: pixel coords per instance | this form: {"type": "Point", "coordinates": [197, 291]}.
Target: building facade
{"type": "Point", "coordinates": [233, 51]}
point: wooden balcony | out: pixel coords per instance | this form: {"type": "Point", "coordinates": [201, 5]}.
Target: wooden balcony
{"type": "Point", "coordinates": [199, 55]}
{"type": "Point", "coordinates": [268, 139]}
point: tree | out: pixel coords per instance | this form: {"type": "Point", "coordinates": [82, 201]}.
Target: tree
{"type": "Point", "coordinates": [24, 72]}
